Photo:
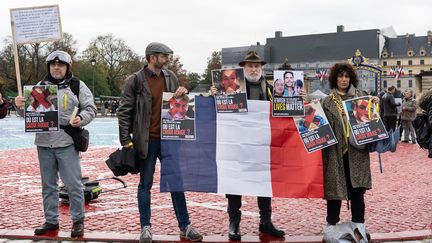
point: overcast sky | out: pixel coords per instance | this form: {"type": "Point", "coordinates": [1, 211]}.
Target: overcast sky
{"type": "Point", "coordinates": [196, 28]}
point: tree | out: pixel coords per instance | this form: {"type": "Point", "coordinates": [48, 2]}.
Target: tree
{"type": "Point", "coordinates": [115, 56]}
{"type": "Point", "coordinates": [213, 62]}
{"type": "Point", "coordinates": [84, 71]}
{"type": "Point", "coordinates": [176, 66]}
{"type": "Point", "coordinates": [32, 60]}
{"type": "Point", "coordinates": [194, 79]}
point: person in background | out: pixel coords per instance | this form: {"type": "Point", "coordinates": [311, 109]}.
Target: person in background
{"type": "Point", "coordinates": [389, 110]}
{"type": "Point", "coordinates": [425, 103]}
{"type": "Point", "coordinates": [408, 115]}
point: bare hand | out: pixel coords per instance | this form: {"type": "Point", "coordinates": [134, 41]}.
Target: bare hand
{"type": "Point", "coordinates": [180, 91]}
{"type": "Point", "coordinates": [303, 94]}
{"type": "Point", "coordinates": [375, 99]}
{"type": "Point", "coordinates": [1, 99]}
{"type": "Point", "coordinates": [213, 90]}
{"type": "Point", "coordinates": [76, 121]}
{"type": "Point", "coordinates": [20, 101]}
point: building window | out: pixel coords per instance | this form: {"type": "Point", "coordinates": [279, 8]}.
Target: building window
{"type": "Point", "coordinates": [398, 63]}
{"type": "Point", "coordinates": [385, 83]}
{"type": "Point", "coordinates": [409, 83]}
{"type": "Point", "coordinates": [298, 65]}
{"type": "Point", "coordinates": [307, 65]}
{"type": "Point", "coordinates": [385, 73]}
{"type": "Point", "coordinates": [398, 84]}
{"type": "Point", "coordinates": [409, 62]}
{"type": "Point", "coordinates": [385, 63]}
{"type": "Point", "coordinates": [421, 62]}
{"type": "Point", "coordinates": [410, 72]}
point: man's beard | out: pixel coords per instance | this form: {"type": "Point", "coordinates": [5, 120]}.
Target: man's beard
{"type": "Point", "coordinates": [254, 78]}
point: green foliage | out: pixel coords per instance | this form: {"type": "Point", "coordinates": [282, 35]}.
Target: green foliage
{"type": "Point", "coordinates": [84, 71]}
{"type": "Point", "coordinates": [194, 79]}
{"type": "Point", "coordinates": [213, 62]}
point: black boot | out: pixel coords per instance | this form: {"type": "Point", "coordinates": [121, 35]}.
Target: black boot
{"type": "Point", "coordinates": [234, 230]}
{"type": "Point", "coordinates": [268, 228]}
{"type": "Point", "coordinates": [45, 228]}
{"type": "Point", "coordinates": [77, 229]}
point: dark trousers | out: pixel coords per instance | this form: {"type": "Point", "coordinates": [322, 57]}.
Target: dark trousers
{"type": "Point", "coordinates": [389, 122]}
{"type": "Point", "coordinates": [234, 205]}
{"type": "Point", "coordinates": [147, 169]}
{"type": "Point", "coordinates": [356, 196]}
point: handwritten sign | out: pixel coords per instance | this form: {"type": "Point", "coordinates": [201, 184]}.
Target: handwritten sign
{"type": "Point", "coordinates": [36, 24]}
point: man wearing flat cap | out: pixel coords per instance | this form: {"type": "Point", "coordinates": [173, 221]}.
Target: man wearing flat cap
{"type": "Point", "coordinates": [139, 117]}
{"type": "Point", "coordinates": [257, 89]}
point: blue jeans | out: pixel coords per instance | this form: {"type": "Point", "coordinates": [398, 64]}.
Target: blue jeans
{"type": "Point", "coordinates": [64, 161]}
{"type": "Point", "coordinates": [147, 169]}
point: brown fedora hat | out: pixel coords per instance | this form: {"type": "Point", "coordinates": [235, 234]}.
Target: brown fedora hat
{"type": "Point", "coordinates": [252, 56]}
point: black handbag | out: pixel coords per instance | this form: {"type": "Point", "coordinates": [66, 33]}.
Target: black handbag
{"type": "Point", "coordinates": [80, 136]}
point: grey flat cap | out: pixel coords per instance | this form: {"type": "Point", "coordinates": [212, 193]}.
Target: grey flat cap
{"type": "Point", "coordinates": [156, 47]}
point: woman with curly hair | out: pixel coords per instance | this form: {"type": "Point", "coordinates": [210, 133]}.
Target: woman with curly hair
{"type": "Point", "coordinates": [347, 172]}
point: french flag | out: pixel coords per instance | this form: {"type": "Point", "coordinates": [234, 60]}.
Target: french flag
{"type": "Point", "coordinates": [241, 153]}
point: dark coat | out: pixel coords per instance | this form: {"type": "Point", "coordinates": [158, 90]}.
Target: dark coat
{"type": "Point", "coordinates": [388, 105]}
{"type": "Point", "coordinates": [425, 103]}
{"type": "Point", "coordinates": [4, 109]}
{"type": "Point", "coordinates": [135, 109]}
{"type": "Point", "coordinates": [335, 187]}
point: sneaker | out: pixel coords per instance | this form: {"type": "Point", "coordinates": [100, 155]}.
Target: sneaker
{"type": "Point", "coordinates": [146, 234]}
{"type": "Point", "coordinates": [45, 228]}
{"type": "Point", "coordinates": [189, 233]}
{"type": "Point", "coordinates": [77, 229]}
{"type": "Point", "coordinates": [414, 141]}
{"type": "Point", "coordinates": [329, 233]}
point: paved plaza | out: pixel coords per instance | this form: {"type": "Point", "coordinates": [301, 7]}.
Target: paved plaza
{"type": "Point", "coordinates": [399, 207]}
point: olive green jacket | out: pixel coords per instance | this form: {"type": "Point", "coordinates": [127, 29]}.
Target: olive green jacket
{"type": "Point", "coordinates": [335, 187]}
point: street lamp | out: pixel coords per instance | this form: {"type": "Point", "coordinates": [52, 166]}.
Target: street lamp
{"type": "Point", "coordinates": [93, 63]}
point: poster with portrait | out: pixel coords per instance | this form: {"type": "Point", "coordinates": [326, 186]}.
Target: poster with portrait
{"type": "Point", "coordinates": [231, 86]}
{"type": "Point", "coordinates": [286, 87]}
{"type": "Point", "coordinates": [178, 117]}
{"type": "Point", "coordinates": [41, 108]}
{"type": "Point", "coordinates": [314, 129]}
{"type": "Point", "coordinates": [364, 120]}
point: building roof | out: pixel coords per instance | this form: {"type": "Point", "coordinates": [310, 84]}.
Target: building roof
{"type": "Point", "coordinates": [339, 45]}
{"type": "Point", "coordinates": [400, 45]}
{"type": "Point", "coordinates": [231, 56]}
{"type": "Point", "coordinates": [321, 47]}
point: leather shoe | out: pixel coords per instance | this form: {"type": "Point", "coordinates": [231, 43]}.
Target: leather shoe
{"type": "Point", "coordinates": [234, 231]}
{"type": "Point", "coordinates": [269, 228]}
{"type": "Point", "coordinates": [77, 229]}
{"type": "Point", "coordinates": [45, 228]}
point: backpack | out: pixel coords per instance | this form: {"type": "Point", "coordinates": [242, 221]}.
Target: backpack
{"type": "Point", "coordinates": [422, 130]}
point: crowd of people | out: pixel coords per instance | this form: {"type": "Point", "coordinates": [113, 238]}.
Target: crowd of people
{"type": "Point", "coordinates": [346, 168]}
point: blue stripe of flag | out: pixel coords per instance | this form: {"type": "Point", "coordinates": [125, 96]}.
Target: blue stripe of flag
{"type": "Point", "coordinates": [198, 170]}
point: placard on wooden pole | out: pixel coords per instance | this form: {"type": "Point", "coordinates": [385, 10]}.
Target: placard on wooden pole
{"type": "Point", "coordinates": [33, 25]}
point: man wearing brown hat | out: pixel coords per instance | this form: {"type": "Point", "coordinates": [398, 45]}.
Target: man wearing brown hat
{"type": "Point", "coordinates": [139, 117]}
{"type": "Point", "coordinates": [257, 89]}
